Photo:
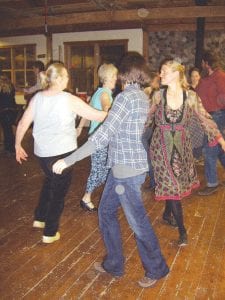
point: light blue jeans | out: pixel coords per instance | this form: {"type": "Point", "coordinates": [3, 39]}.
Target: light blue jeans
{"type": "Point", "coordinates": [211, 154]}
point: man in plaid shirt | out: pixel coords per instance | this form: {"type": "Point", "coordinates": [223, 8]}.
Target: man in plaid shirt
{"type": "Point", "coordinates": [127, 158]}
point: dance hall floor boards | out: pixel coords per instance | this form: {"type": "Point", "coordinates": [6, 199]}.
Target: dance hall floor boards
{"type": "Point", "coordinates": [64, 270]}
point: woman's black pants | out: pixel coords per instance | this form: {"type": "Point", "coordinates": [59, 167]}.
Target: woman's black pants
{"type": "Point", "coordinates": [53, 192]}
{"type": "Point", "coordinates": [174, 207]}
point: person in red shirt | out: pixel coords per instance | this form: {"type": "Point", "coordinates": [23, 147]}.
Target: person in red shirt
{"type": "Point", "coordinates": [211, 90]}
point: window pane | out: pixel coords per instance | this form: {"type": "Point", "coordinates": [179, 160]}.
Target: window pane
{"type": "Point", "coordinates": [82, 56]}
{"type": "Point", "coordinates": [31, 78]}
{"type": "Point", "coordinates": [19, 78]}
{"type": "Point", "coordinates": [112, 54]}
{"type": "Point", "coordinates": [30, 56]}
{"type": "Point", "coordinates": [82, 68]}
{"type": "Point", "coordinates": [18, 54]}
{"type": "Point", "coordinates": [5, 58]}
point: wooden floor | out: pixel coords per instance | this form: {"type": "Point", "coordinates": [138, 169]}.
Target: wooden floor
{"type": "Point", "coordinates": [64, 269]}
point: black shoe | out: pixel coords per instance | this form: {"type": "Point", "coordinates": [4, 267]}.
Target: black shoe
{"type": "Point", "coordinates": [183, 240]}
{"type": "Point", "coordinates": [86, 206]}
{"type": "Point", "coordinates": [208, 191]}
{"type": "Point", "coordinates": [170, 220]}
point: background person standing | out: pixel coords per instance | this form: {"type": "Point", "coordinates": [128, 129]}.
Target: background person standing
{"type": "Point", "coordinates": [211, 90]}
{"type": "Point", "coordinates": [38, 66]}
{"type": "Point", "coordinates": [7, 113]}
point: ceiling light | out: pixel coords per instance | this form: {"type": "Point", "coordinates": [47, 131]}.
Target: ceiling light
{"type": "Point", "coordinates": [143, 12]}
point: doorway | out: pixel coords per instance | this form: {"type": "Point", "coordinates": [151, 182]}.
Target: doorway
{"type": "Point", "coordinates": [82, 59]}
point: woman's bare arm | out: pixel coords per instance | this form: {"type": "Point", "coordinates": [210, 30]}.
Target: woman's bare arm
{"type": "Point", "coordinates": [105, 101]}
{"type": "Point", "coordinates": [86, 111]}
{"type": "Point", "coordinates": [22, 128]}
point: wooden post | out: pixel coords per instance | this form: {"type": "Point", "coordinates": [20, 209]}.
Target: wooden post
{"type": "Point", "coordinates": [96, 63]}
{"type": "Point", "coordinates": [146, 44]}
{"type": "Point", "coordinates": [49, 47]}
{"type": "Point", "coordinates": [200, 33]}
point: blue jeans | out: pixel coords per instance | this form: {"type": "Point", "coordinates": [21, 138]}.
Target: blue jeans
{"type": "Point", "coordinates": [126, 193]}
{"type": "Point", "coordinates": [211, 154]}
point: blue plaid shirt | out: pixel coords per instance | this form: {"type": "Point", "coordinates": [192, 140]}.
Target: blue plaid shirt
{"type": "Point", "coordinates": [123, 128]}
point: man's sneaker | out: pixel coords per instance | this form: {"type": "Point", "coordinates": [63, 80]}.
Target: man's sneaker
{"type": "Point", "coordinates": [208, 191]}
{"type": "Point", "coordinates": [51, 239]}
{"type": "Point", "coordinates": [98, 267]}
{"type": "Point", "coordinates": [146, 282]}
{"type": "Point", "coordinates": [38, 224]}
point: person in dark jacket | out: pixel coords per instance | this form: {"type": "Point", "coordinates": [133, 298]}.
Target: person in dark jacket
{"type": "Point", "coordinates": [7, 113]}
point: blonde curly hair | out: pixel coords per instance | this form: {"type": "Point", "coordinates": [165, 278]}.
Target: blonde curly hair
{"type": "Point", "coordinates": [176, 65]}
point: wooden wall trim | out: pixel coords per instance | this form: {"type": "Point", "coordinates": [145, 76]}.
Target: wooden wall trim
{"type": "Point", "coordinates": [184, 27]}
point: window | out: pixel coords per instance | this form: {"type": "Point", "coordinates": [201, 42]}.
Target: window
{"type": "Point", "coordinates": [82, 68]}
{"type": "Point", "coordinates": [16, 63]}
{"type": "Point", "coordinates": [82, 59]}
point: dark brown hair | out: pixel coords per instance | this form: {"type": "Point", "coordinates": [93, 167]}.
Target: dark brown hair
{"type": "Point", "coordinates": [133, 69]}
{"type": "Point", "coordinates": [39, 65]}
{"type": "Point", "coordinates": [194, 69]}
{"type": "Point", "coordinates": [211, 59]}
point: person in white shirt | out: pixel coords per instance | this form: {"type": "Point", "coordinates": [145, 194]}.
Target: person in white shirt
{"type": "Point", "coordinates": [53, 112]}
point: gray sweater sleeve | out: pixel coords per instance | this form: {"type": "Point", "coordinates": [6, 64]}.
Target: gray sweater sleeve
{"type": "Point", "coordinates": [85, 150]}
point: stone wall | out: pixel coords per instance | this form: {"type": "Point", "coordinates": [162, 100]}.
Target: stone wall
{"type": "Point", "coordinates": [182, 45]}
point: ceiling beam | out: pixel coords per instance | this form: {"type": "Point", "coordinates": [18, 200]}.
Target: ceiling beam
{"type": "Point", "coordinates": [151, 27]}
{"type": "Point", "coordinates": [35, 3]}
{"type": "Point", "coordinates": [116, 20]}
{"type": "Point", "coordinates": [114, 16]}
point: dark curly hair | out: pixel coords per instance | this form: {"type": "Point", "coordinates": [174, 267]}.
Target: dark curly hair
{"type": "Point", "coordinates": [39, 65]}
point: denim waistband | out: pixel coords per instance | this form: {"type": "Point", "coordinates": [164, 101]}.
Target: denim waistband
{"type": "Point", "coordinates": [216, 112]}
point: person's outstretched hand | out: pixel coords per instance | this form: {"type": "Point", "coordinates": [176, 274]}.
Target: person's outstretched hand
{"type": "Point", "coordinates": [59, 166]}
{"type": "Point", "coordinates": [20, 154]}
{"type": "Point", "coordinates": [222, 143]}
{"type": "Point", "coordinates": [223, 146]}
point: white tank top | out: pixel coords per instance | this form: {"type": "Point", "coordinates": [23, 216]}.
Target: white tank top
{"type": "Point", "coordinates": [54, 125]}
